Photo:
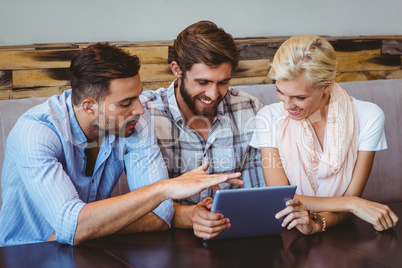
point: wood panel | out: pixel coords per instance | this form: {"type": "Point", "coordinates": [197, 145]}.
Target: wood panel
{"type": "Point", "coordinates": [392, 47]}
{"type": "Point", "coordinates": [349, 47]}
{"type": "Point", "coordinates": [43, 69]}
{"type": "Point", "coordinates": [156, 85]}
{"type": "Point", "coordinates": [5, 94]}
{"type": "Point", "coordinates": [368, 75]}
{"type": "Point", "coordinates": [61, 77]}
{"type": "Point", "coordinates": [250, 80]}
{"type": "Point", "coordinates": [257, 51]}
{"type": "Point", "coordinates": [6, 82]}
{"type": "Point", "coordinates": [41, 78]}
{"type": "Point", "coordinates": [147, 55]}
{"type": "Point", "coordinates": [37, 92]}
{"type": "Point", "coordinates": [156, 73]}
{"type": "Point", "coordinates": [38, 59]}
{"type": "Point", "coordinates": [251, 68]}
{"type": "Point", "coordinates": [368, 63]}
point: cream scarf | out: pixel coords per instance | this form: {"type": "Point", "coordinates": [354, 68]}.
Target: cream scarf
{"type": "Point", "coordinates": [303, 160]}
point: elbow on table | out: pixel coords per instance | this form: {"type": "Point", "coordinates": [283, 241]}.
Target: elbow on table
{"type": "Point", "coordinates": [81, 237]}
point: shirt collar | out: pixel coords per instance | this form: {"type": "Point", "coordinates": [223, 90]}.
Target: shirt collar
{"type": "Point", "coordinates": [173, 107]}
{"type": "Point", "coordinates": [78, 135]}
{"type": "Point", "coordinates": [80, 139]}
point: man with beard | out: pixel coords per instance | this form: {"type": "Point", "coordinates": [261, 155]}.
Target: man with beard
{"type": "Point", "coordinates": [199, 119]}
{"type": "Point", "coordinates": [64, 157]}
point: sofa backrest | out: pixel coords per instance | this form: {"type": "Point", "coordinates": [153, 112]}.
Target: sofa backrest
{"type": "Point", "coordinates": [385, 182]}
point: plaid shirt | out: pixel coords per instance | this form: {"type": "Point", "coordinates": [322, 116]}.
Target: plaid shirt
{"type": "Point", "coordinates": [226, 148]}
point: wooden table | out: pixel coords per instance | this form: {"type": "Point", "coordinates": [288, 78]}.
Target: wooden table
{"type": "Point", "coordinates": [353, 243]}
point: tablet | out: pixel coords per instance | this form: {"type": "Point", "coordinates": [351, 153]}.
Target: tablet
{"type": "Point", "coordinates": [252, 210]}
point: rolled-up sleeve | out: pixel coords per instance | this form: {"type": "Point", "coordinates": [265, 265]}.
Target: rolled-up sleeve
{"type": "Point", "coordinates": [145, 165]}
{"type": "Point", "coordinates": [49, 187]}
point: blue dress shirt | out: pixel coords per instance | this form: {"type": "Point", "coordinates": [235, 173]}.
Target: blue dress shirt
{"type": "Point", "coordinates": [43, 179]}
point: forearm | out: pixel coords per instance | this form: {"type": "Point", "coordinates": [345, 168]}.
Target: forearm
{"type": "Point", "coordinates": [108, 216]}
{"type": "Point", "coordinates": [328, 204]}
{"type": "Point", "coordinates": [183, 216]}
{"type": "Point", "coordinates": [333, 209]}
{"type": "Point", "coordinates": [149, 223]}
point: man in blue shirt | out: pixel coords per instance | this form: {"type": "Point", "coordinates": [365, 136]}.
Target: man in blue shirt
{"type": "Point", "coordinates": [64, 157]}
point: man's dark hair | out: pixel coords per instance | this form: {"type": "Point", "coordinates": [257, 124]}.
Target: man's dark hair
{"type": "Point", "coordinates": [204, 42]}
{"type": "Point", "coordinates": [94, 67]}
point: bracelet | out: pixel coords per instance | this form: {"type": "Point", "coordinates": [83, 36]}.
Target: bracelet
{"type": "Point", "coordinates": [318, 218]}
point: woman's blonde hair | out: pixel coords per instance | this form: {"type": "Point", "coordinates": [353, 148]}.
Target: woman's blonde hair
{"type": "Point", "coordinates": [305, 56]}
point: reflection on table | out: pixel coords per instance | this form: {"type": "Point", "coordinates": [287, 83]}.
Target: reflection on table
{"type": "Point", "coordinates": [353, 243]}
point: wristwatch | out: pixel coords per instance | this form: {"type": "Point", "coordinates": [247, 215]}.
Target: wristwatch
{"type": "Point", "coordinates": [318, 218]}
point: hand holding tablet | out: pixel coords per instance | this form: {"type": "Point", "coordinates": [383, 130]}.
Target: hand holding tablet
{"type": "Point", "coordinates": [252, 210]}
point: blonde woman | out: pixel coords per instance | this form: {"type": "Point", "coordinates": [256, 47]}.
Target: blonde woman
{"type": "Point", "coordinates": [319, 139]}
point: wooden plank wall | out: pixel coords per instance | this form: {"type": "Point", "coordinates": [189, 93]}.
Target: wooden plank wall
{"type": "Point", "coordinates": [41, 70]}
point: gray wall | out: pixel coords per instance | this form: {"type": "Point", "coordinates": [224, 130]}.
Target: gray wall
{"type": "Point", "coordinates": [53, 21]}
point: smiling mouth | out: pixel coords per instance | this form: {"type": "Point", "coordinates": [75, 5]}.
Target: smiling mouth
{"type": "Point", "coordinates": [208, 102]}
{"type": "Point", "coordinates": [295, 112]}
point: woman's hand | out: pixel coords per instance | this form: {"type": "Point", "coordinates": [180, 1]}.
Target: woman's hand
{"type": "Point", "coordinates": [379, 215]}
{"type": "Point", "coordinates": [298, 216]}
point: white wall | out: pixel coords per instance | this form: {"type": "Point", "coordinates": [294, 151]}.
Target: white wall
{"type": "Point", "coordinates": [53, 21]}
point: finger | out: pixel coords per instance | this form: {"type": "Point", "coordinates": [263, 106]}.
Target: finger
{"type": "Point", "coordinates": [212, 227]}
{"type": "Point", "coordinates": [207, 200]}
{"type": "Point", "coordinates": [201, 211]}
{"type": "Point", "coordinates": [233, 175]}
{"type": "Point", "coordinates": [392, 218]}
{"type": "Point", "coordinates": [203, 167]}
{"type": "Point", "coordinates": [216, 188]}
{"type": "Point", "coordinates": [208, 203]}
{"type": "Point", "coordinates": [292, 224]}
{"type": "Point", "coordinates": [282, 213]}
{"type": "Point", "coordinates": [288, 210]}
{"type": "Point", "coordinates": [388, 223]}
{"type": "Point", "coordinates": [395, 218]}
{"type": "Point", "coordinates": [298, 216]}
{"type": "Point", "coordinates": [293, 202]}
{"type": "Point", "coordinates": [212, 180]}
{"type": "Point", "coordinates": [301, 224]}
{"type": "Point", "coordinates": [287, 220]}
{"type": "Point", "coordinates": [205, 234]}
{"type": "Point", "coordinates": [235, 181]}
{"type": "Point", "coordinates": [383, 221]}
{"type": "Point", "coordinates": [207, 215]}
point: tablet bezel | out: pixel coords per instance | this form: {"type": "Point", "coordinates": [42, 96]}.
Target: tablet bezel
{"type": "Point", "coordinates": [252, 210]}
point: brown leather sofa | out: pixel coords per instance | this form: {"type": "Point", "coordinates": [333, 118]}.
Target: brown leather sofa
{"type": "Point", "coordinates": [385, 183]}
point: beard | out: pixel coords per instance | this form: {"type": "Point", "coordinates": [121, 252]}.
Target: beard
{"type": "Point", "coordinates": [111, 125]}
{"type": "Point", "coordinates": [190, 101]}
